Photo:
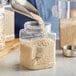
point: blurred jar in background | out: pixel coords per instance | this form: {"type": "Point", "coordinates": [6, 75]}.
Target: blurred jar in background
{"type": "Point", "coordinates": [2, 37]}
{"type": "Point", "coordinates": [67, 19]}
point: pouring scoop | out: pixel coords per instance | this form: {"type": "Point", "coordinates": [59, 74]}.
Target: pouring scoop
{"type": "Point", "coordinates": [23, 7]}
{"type": "Point", "coordinates": [27, 9]}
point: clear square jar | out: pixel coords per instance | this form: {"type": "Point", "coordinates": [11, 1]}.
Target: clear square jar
{"type": "Point", "coordinates": [37, 49]}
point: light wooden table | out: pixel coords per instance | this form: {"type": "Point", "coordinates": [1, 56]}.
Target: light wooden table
{"type": "Point", "coordinates": [10, 46]}
{"type": "Point", "coordinates": [10, 66]}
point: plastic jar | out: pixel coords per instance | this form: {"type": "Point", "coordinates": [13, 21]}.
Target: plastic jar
{"type": "Point", "coordinates": [2, 37]}
{"type": "Point", "coordinates": [37, 49]}
{"type": "Point", "coordinates": [67, 16]}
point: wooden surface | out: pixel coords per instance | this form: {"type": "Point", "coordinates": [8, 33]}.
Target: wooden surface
{"type": "Point", "coordinates": [10, 46]}
{"type": "Point", "coordinates": [68, 32]}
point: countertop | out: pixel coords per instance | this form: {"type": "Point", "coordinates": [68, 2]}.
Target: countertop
{"type": "Point", "coordinates": [9, 66]}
